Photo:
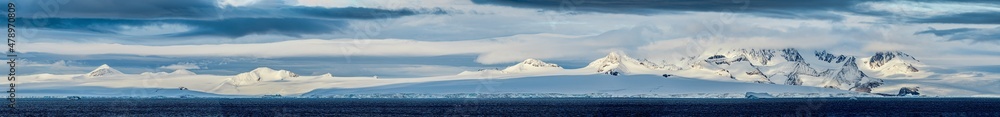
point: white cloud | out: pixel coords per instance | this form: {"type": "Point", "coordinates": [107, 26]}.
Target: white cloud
{"type": "Point", "coordinates": [181, 66]}
{"type": "Point", "coordinates": [59, 63]}
{"type": "Point", "coordinates": [26, 66]}
{"type": "Point", "coordinates": [960, 60]}
{"type": "Point", "coordinates": [927, 9]}
{"type": "Point", "coordinates": [885, 46]}
{"type": "Point", "coordinates": [156, 29]}
{"type": "Point", "coordinates": [237, 2]}
{"type": "Point", "coordinates": [516, 34]}
{"type": "Point", "coordinates": [420, 70]}
{"type": "Point", "coordinates": [392, 4]}
{"type": "Point", "coordinates": [339, 47]}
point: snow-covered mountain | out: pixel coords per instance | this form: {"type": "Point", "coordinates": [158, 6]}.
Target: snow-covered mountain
{"type": "Point", "coordinates": [617, 63]}
{"type": "Point", "coordinates": [849, 77]}
{"type": "Point", "coordinates": [756, 65]}
{"type": "Point", "coordinates": [532, 65]}
{"type": "Point", "coordinates": [261, 74]}
{"type": "Point", "coordinates": [326, 75]}
{"type": "Point", "coordinates": [182, 72]}
{"type": "Point", "coordinates": [723, 73]}
{"type": "Point", "coordinates": [787, 66]}
{"type": "Point", "coordinates": [893, 64]}
{"type": "Point", "coordinates": [888, 59]}
{"type": "Point", "coordinates": [178, 72]}
{"type": "Point", "coordinates": [103, 71]}
{"type": "Point", "coordinates": [526, 66]}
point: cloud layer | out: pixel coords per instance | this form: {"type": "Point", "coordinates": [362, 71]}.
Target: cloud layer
{"type": "Point", "coordinates": [975, 35]}
{"type": "Point", "coordinates": [360, 38]}
{"type": "Point", "coordinates": [203, 17]}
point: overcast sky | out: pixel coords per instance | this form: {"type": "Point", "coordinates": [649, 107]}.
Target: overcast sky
{"type": "Point", "coordinates": [401, 38]}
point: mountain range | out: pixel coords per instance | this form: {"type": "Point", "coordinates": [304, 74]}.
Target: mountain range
{"type": "Point", "coordinates": [727, 70]}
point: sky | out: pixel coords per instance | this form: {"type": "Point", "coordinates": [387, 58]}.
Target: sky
{"type": "Point", "coordinates": [402, 38]}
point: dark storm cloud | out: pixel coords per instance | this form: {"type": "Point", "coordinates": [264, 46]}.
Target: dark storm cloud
{"type": "Point", "coordinates": [769, 8]}
{"type": "Point", "coordinates": [964, 18]}
{"type": "Point", "coordinates": [206, 16]}
{"type": "Point", "coordinates": [230, 27]}
{"type": "Point", "coordinates": [195, 9]}
{"type": "Point", "coordinates": [118, 8]}
{"type": "Point", "coordinates": [108, 26]}
{"type": "Point", "coordinates": [358, 13]}
{"type": "Point", "coordinates": [786, 9]}
{"type": "Point", "coordinates": [237, 27]}
{"type": "Point", "coordinates": [946, 32]}
{"type": "Point", "coordinates": [973, 34]}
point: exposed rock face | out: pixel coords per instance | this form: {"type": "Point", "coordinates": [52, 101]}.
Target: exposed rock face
{"type": "Point", "coordinates": [829, 57]}
{"type": "Point", "coordinates": [754, 95]}
{"type": "Point", "coordinates": [908, 91]}
{"type": "Point", "coordinates": [893, 62]}
{"type": "Point", "coordinates": [849, 76]}
{"type": "Point", "coordinates": [788, 66]}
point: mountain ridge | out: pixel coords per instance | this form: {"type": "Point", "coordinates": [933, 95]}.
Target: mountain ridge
{"type": "Point", "coordinates": [261, 74]}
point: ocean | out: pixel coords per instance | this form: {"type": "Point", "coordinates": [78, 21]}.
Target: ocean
{"type": "Point", "coordinates": [505, 107]}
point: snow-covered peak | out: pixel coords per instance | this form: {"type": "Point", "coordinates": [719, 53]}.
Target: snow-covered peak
{"type": "Point", "coordinates": [327, 75]}
{"type": "Point", "coordinates": [611, 58]}
{"type": "Point", "coordinates": [889, 55]}
{"type": "Point", "coordinates": [104, 66]}
{"type": "Point", "coordinates": [887, 58]}
{"type": "Point", "coordinates": [788, 66]}
{"type": "Point", "coordinates": [526, 66]}
{"type": "Point", "coordinates": [779, 66]}
{"type": "Point", "coordinates": [754, 56]}
{"type": "Point", "coordinates": [102, 71]}
{"type": "Point", "coordinates": [271, 74]}
{"type": "Point", "coordinates": [616, 63]}
{"type": "Point", "coordinates": [182, 72]}
{"type": "Point", "coordinates": [261, 74]}
{"type": "Point", "coordinates": [850, 77]}
{"type": "Point", "coordinates": [531, 65]}
{"type": "Point", "coordinates": [615, 56]}
{"type": "Point", "coordinates": [830, 57]}
{"type": "Point", "coordinates": [893, 63]}
{"type": "Point", "coordinates": [610, 63]}
{"type": "Point", "coordinates": [262, 69]}
{"type": "Point", "coordinates": [537, 63]}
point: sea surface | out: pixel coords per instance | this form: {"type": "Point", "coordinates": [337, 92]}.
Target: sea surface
{"type": "Point", "coordinates": [506, 107]}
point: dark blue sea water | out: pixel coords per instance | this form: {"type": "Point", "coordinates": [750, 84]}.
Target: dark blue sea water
{"type": "Point", "coordinates": [507, 107]}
